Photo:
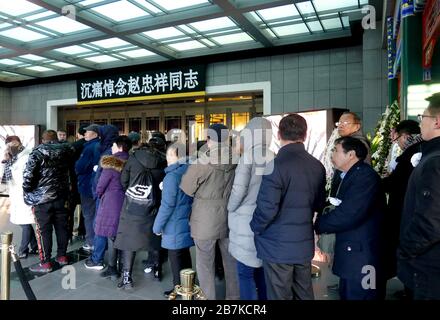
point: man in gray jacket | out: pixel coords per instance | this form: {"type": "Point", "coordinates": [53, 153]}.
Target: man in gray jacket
{"type": "Point", "coordinates": [209, 181]}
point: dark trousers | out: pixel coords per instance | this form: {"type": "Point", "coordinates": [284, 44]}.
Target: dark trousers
{"type": "Point", "coordinates": [27, 238]}
{"type": "Point", "coordinates": [127, 258]}
{"type": "Point", "coordinates": [49, 215]}
{"type": "Point", "coordinates": [88, 205]}
{"type": "Point", "coordinates": [351, 289]}
{"type": "Point", "coordinates": [179, 259]}
{"type": "Point", "coordinates": [156, 258]}
{"type": "Point", "coordinates": [288, 281]}
{"type": "Point", "coordinates": [113, 253]}
{"type": "Point", "coordinates": [252, 283]}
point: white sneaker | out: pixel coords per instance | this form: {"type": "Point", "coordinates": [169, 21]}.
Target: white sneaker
{"type": "Point", "coordinates": [148, 269]}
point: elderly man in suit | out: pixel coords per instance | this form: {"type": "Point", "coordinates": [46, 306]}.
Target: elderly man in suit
{"type": "Point", "coordinates": [357, 219]}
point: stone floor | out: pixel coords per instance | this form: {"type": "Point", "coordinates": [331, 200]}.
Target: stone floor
{"type": "Point", "coordinates": [75, 282]}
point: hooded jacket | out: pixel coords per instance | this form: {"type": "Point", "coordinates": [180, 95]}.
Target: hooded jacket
{"type": "Point", "coordinates": [108, 134]}
{"type": "Point", "coordinates": [243, 198]}
{"type": "Point", "coordinates": [173, 217]}
{"type": "Point", "coordinates": [111, 194]}
{"type": "Point", "coordinates": [209, 181]}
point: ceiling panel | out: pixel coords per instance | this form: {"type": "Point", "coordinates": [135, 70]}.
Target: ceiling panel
{"type": "Point", "coordinates": [38, 41]}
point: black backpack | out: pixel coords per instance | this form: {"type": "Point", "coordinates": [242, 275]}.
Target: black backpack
{"type": "Point", "coordinates": [140, 198]}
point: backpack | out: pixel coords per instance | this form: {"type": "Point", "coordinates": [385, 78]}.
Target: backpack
{"type": "Point", "coordinates": [141, 197]}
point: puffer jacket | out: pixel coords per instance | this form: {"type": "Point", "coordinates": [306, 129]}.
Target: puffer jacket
{"type": "Point", "coordinates": [173, 217]}
{"type": "Point", "coordinates": [111, 194]}
{"type": "Point", "coordinates": [210, 182]}
{"type": "Point", "coordinates": [242, 202]}
{"type": "Point", "coordinates": [46, 176]}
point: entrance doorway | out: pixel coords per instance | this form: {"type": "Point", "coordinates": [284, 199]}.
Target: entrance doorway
{"type": "Point", "coordinates": [190, 115]}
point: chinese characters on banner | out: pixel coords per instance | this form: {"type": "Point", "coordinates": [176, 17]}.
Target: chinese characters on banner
{"type": "Point", "coordinates": [431, 30]}
{"type": "Point", "coordinates": [141, 84]}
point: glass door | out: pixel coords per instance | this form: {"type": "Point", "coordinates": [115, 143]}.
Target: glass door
{"type": "Point", "coordinates": [239, 120]}
{"type": "Point", "coordinates": [71, 130]}
{"type": "Point", "coordinates": [217, 118]}
{"type": "Point", "coordinates": [120, 124]}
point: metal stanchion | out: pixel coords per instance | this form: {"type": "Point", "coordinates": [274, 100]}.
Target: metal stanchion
{"type": "Point", "coordinates": [6, 240]}
{"type": "Point", "coordinates": [187, 289]}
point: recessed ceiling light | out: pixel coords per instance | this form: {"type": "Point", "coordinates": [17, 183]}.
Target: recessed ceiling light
{"type": "Point", "coordinates": [173, 5]}
{"type": "Point", "coordinates": [101, 59]}
{"type": "Point", "coordinates": [22, 34]}
{"type": "Point", "coordinates": [187, 45]}
{"type": "Point", "coordinates": [212, 24]}
{"type": "Point", "coordinates": [32, 57]}
{"type": "Point", "coordinates": [120, 10]}
{"type": "Point", "coordinates": [72, 50]}
{"type": "Point", "coordinates": [39, 69]}
{"type": "Point", "coordinates": [9, 62]}
{"type": "Point", "coordinates": [137, 53]}
{"type": "Point", "coordinates": [63, 25]}
{"type": "Point", "coordinates": [110, 43]}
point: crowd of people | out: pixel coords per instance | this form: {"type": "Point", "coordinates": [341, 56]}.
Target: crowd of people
{"type": "Point", "coordinates": [258, 210]}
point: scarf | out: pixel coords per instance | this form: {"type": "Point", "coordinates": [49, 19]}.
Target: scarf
{"type": "Point", "coordinates": [411, 140]}
{"type": "Point", "coordinates": [7, 175]}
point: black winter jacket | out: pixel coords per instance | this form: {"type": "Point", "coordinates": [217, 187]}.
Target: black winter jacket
{"type": "Point", "coordinates": [395, 185]}
{"type": "Point", "coordinates": [135, 230]}
{"type": "Point", "coordinates": [419, 245]}
{"type": "Point", "coordinates": [46, 176]}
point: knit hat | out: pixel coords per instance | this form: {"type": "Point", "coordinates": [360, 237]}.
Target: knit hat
{"type": "Point", "coordinates": [82, 130]}
{"type": "Point", "coordinates": [134, 136]}
{"type": "Point", "coordinates": [218, 132]}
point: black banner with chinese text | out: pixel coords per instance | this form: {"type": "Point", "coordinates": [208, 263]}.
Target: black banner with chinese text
{"type": "Point", "coordinates": [175, 82]}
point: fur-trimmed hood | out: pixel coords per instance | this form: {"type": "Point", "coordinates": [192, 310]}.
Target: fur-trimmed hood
{"type": "Point", "coordinates": [113, 162]}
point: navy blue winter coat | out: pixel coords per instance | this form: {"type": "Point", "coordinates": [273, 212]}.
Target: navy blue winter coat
{"type": "Point", "coordinates": [84, 167]}
{"type": "Point", "coordinates": [175, 208]}
{"type": "Point", "coordinates": [358, 223]}
{"type": "Point", "coordinates": [286, 203]}
{"type": "Point", "coordinates": [108, 134]}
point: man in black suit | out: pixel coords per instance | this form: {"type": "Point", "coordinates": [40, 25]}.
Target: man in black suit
{"type": "Point", "coordinates": [357, 221]}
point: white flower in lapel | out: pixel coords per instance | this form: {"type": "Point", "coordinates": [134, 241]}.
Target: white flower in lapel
{"type": "Point", "coordinates": [335, 201]}
{"type": "Point", "coordinates": [415, 159]}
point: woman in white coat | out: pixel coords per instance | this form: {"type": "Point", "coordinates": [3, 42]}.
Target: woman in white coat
{"type": "Point", "coordinates": [254, 163]}
{"type": "Point", "coordinates": [11, 169]}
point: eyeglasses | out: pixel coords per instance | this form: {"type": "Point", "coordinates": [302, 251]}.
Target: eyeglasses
{"type": "Point", "coordinates": [421, 116]}
{"type": "Point", "coordinates": [397, 138]}
{"type": "Point", "coordinates": [344, 123]}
